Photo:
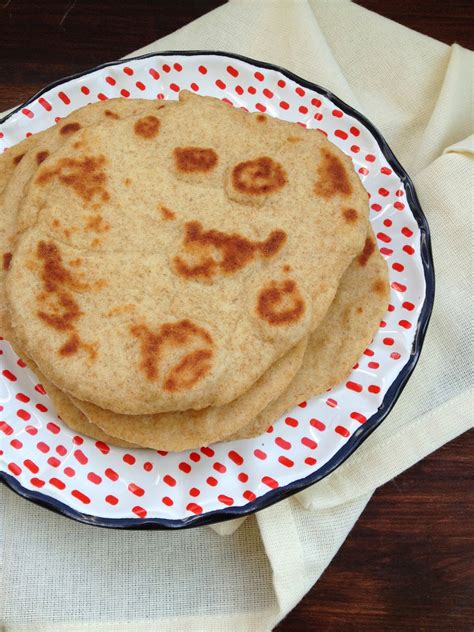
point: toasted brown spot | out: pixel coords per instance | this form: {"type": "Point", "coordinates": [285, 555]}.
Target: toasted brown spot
{"type": "Point", "coordinates": [180, 331]}
{"type": "Point", "coordinates": [95, 243]}
{"type": "Point", "coordinates": [7, 258]}
{"type": "Point", "coordinates": [147, 127]}
{"type": "Point", "coordinates": [360, 310]}
{"type": "Point", "coordinates": [368, 250]}
{"type": "Point", "coordinates": [77, 145]}
{"type": "Point", "coordinates": [127, 182]}
{"type": "Point", "coordinates": [112, 115]}
{"type": "Point", "coordinates": [261, 118]}
{"type": "Point", "coordinates": [67, 233]}
{"type": "Point", "coordinates": [97, 224]}
{"type": "Point", "coordinates": [286, 268]}
{"type": "Point", "coordinates": [56, 223]}
{"type": "Point", "coordinates": [63, 312]}
{"type": "Point", "coordinates": [294, 139]}
{"type": "Point", "coordinates": [272, 244]}
{"type": "Point", "coordinates": [183, 333]}
{"type": "Point", "coordinates": [332, 176]}
{"type": "Point", "coordinates": [235, 251]}
{"type": "Point", "coordinates": [75, 262]}
{"type": "Point", "coordinates": [71, 345]}
{"type": "Point", "coordinates": [258, 177]}
{"type": "Point", "coordinates": [280, 303]}
{"type": "Point", "coordinates": [59, 307]}
{"type": "Point", "coordinates": [69, 128]}
{"type": "Point", "coordinates": [350, 215]}
{"type": "Point", "coordinates": [150, 346]}
{"type": "Point", "coordinates": [17, 159]}
{"type": "Point", "coordinates": [120, 309]}
{"type": "Point", "coordinates": [90, 348]}
{"type": "Point", "coordinates": [85, 175]}
{"type": "Point", "coordinates": [41, 156]}
{"type": "Point", "coordinates": [54, 275]}
{"type": "Point", "coordinates": [166, 213]}
{"type": "Point", "coordinates": [380, 287]}
{"type": "Point", "coordinates": [190, 370]}
{"type": "Point", "coordinates": [194, 159]}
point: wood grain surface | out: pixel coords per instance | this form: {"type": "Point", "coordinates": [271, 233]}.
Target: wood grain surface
{"type": "Point", "coordinates": [408, 563]}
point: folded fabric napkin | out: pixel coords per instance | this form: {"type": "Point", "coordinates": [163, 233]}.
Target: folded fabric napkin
{"type": "Point", "coordinates": [60, 575]}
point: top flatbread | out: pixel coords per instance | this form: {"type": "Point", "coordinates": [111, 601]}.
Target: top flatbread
{"type": "Point", "coordinates": [170, 259]}
{"type": "Point", "coordinates": [176, 430]}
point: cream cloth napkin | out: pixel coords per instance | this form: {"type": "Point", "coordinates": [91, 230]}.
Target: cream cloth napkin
{"type": "Point", "coordinates": [60, 575]}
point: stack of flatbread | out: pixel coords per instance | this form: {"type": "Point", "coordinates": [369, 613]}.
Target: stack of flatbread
{"type": "Point", "coordinates": [181, 273]}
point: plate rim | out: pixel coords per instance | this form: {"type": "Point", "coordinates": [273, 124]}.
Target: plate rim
{"type": "Point", "coordinates": [391, 397]}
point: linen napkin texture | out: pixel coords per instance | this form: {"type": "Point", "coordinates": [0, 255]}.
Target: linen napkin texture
{"type": "Point", "coordinates": [60, 575]}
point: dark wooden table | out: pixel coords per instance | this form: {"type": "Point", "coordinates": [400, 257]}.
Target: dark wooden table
{"type": "Point", "coordinates": [408, 563]}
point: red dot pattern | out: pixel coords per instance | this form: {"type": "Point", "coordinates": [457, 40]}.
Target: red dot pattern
{"type": "Point", "coordinates": [100, 479]}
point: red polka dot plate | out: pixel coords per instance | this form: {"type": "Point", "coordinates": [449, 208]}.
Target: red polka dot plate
{"type": "Point", "coordinates": [99, 484]}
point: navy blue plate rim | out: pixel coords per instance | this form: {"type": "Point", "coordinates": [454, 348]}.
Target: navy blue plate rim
{"type": "Point", "coordinates": [362, 433]}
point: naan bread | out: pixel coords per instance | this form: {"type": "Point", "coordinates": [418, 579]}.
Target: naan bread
{"type": "Point", "coordinates": [203, 429]}
{"type": "Point", "coordinates": [171, 259]}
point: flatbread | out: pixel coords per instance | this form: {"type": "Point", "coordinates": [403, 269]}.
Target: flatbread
{"type": "Point", "coordinates": [276, 379]}
{"type": "Point", "coordinates": [171, 259]}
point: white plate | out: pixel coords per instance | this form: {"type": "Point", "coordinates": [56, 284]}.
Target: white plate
{"type": "Point", "coordinates": [43, 460]}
